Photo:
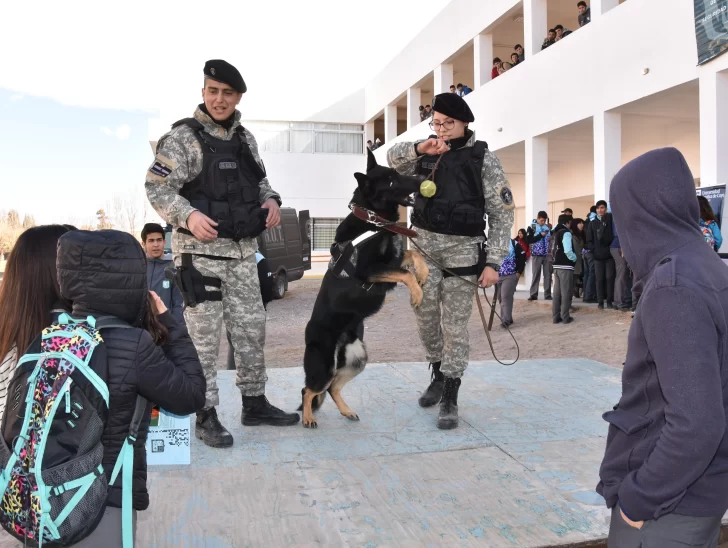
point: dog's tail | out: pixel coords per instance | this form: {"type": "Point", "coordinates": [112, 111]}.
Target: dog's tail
{"type": "Point", "coordinates": [316, 403]}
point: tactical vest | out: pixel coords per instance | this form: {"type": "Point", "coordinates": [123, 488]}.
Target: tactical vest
{"type": "Point", "coordinates": [227, 189]}
{"type": "Point", "coordinates": [458, 206]}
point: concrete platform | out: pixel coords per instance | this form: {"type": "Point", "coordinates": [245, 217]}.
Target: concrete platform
{"type": "Point", "coordinates": [519, 471]}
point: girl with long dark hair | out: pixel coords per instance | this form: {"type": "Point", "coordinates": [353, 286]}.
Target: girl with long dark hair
{"type": "Point", "coordinates": [29, 296]}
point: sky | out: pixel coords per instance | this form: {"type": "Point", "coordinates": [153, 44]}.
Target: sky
{"type": "Point", "coordinates": [76, 97]}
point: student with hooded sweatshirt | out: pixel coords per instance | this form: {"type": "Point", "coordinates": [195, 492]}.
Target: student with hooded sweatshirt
{"type": "Point", "coordinates": [538, 235]}
{"type": "Point", "coordinates": [510, 272]}
{"type": "Point", "coordinates": [590, 276]}
{"type": "Point", "coordinates": [564, 259]}
{"type": "Point", "coordinates": [600, 238]}
{"type": "Point", "coordinates": [104, 273]}
{"type": "Point", "coordinates": [665, 467]}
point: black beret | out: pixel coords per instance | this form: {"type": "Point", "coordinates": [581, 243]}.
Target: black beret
{"type": "Point", "coordinates": [452, 105]}
{"type": "Point", "coordinates": [222, 71]}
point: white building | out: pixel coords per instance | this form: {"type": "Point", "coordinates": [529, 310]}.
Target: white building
{"type": "Point", "coordinates": [562, 122]}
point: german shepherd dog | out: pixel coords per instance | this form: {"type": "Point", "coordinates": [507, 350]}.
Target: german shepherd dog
{"type": "Point", "coordinates": [335, 352]}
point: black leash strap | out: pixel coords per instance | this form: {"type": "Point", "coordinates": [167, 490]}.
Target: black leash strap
{"type": "Point", "coordinates": [480, 306]}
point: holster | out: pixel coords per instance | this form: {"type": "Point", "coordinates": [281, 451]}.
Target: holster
{"type": "Point", "coordinates": [191, 283]}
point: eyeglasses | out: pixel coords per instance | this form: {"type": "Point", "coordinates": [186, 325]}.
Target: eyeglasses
{"type": "Point", "coordinates": [447, 124]}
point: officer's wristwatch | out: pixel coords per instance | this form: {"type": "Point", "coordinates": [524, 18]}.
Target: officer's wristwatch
{"type": "Point", "coordinates": [493, 266]}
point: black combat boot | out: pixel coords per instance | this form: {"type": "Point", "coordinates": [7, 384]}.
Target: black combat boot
{"type": "Point", "coordinates": [258, 410]}
{"type": "Point", "coordinates": [433, 394]}
{"type": "Point", "coordinates": [210, 431]}
{"type": "Point", "coordinates": [448, 418]}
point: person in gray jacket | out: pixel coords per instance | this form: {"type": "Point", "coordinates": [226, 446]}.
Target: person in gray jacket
{"type": "Point", "coordinates": [157, 280]}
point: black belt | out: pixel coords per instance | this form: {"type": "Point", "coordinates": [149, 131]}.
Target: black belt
{"type": "Point", "coordinates": [461, 271]}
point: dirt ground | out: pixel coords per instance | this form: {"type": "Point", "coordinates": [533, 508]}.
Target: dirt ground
{"type": "Point", "coordinates": [391, 335]}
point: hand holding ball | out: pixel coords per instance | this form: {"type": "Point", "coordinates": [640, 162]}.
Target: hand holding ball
{"type": "Point", "coordinates": [428, 188]}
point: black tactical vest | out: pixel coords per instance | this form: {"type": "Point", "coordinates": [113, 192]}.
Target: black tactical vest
{"type": "Point", "coordinates": [458, 206]}
{"type": "Point", "coordinates": [227, 189]}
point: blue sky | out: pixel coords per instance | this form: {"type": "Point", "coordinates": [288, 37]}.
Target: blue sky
{"type": "Point", "coordinates": [76, 94]}
{"type": "Point", "coordinates": [59, 164]}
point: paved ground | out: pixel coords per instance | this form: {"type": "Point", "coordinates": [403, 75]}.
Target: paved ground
{"type": "Point", "coordinates": [520, 470]}
{"type": "Point", "coordinates": [391, 335]}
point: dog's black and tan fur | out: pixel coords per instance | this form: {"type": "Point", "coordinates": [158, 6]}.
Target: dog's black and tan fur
{"type": "Point", "coordinates": [335, 352]}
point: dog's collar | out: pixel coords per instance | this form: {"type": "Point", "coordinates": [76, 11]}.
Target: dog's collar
{"type": "Point", "coordinates": [371, 217]}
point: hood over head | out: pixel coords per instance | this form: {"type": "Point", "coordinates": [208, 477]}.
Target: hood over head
{"type": "Point", "coordinates": [655, 207]}
{"type": "Point", "coordinates": [103, 273]}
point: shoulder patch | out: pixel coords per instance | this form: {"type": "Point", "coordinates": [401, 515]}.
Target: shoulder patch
{"type": "Point", "coordinates": [162, 167]}
{"type": "Point", "coordinates": [506, 196]}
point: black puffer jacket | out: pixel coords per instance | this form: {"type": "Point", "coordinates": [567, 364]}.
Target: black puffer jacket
{"type": "Point", "coordinates": [104, 273]}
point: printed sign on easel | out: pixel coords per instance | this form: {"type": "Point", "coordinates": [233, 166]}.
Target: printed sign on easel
{"type": "Point", "coordinates": [168, 441]}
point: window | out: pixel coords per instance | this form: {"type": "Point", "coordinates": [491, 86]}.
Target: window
{"type": "Point", "coordinates": [324, 231]}
{"type": "Point", "coordinates": [308, 137]}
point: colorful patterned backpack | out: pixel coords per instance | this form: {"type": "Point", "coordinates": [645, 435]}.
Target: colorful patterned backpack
{"type": "Point", "coordinates": [53, 487]}
{"type": "Point", "coordinates": [707, 233]}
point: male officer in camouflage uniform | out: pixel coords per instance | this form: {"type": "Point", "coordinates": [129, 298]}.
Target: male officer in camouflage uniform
{"type": "Point", "coordinates": [470, 184]}
{"type": "Point", "coordinates": [208, 181]}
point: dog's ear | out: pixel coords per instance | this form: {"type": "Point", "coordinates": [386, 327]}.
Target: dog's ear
{"type": "Point", "coordinates": [371, 160]}
{"type": "Point", "coordinates": [361, 179]}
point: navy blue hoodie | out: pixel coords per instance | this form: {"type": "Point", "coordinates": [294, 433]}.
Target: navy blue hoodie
{"type": "Point", "coordinates": [667, 449]}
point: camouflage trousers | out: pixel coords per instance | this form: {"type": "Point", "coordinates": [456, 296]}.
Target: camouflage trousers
{"type": "Point", "coordinates": [242, 311]}
{"type": "Point", "coordinates": [442, 318]}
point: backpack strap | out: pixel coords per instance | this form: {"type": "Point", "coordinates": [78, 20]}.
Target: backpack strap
{"type": "Point", "coordinates": [125, 464]}
{"type": "Point", "coordinates": [125, 460]}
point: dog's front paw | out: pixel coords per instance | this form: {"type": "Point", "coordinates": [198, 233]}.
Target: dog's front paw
{"type": "Point", "coordinates": [351, 415]}
{"type": "Point", "coordinates": [310, 423]}
{"type": "Point", "coordinates": [422, 273]}
{"type": "Point", "coordinates": [416, 296]}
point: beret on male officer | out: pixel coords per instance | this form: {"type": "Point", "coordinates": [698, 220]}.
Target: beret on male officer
{"type": "Point", "coordinates": [222, 71]}
{"type": "Point", "coordinates": [454, 106]}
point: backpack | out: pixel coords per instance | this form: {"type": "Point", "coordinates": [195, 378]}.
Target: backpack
{"type": "Point", "coordinates": [552, 248]}
{"type": "Point", "coordinates": [53, 487]}
{"type": "Point", "coordinates": [707, 233]}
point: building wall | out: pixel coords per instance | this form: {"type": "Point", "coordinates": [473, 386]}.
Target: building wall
{"type": "Point", "coordinates": [321, 183]}
{"type": "Point", "coordinates": [588, 72]}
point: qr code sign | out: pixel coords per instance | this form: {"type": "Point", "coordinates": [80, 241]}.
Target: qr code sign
{"type": "Point", "coordinates": [157, 446]}
{"type": "Point", "coordinates": [177, 437]}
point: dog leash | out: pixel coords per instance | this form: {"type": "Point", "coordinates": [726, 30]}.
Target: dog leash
{"type": "Point", "coordinates": [480, 306]}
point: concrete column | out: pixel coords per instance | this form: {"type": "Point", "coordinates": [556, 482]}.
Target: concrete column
{"type": "Point", "coordinates": [414, 100]}
{"type": "Point", "coordinates": [390, 123]}
{"type": "Point", "coordinates": [607, 152]}
{"type": "Point", "coordinates": [535, 25]}
{"type": "Point", "coordinates": [482, 59]}
{"type": "Point", "coordinates": [537, 185]}
{"type": "Point", "coordinates": [600, 7]}
{"type": "Point", "coordinates": [714, 129]}
{"type": "Point", "coordinates": [443, 79]}
{"type": "Point", "coordinates": [368, 133]}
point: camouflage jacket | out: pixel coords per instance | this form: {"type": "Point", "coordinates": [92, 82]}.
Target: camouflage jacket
{"type": "Point", "coordinates": [179, 161]}
{"type": "Point", "coordinates": [499, 206]}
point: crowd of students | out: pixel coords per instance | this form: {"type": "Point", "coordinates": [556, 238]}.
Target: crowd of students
{"type": "Point", "coordinates": [581, 258]}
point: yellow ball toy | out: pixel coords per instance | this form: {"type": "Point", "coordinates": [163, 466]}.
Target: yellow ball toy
{"type": "Point", "coordinates": [428, 188]}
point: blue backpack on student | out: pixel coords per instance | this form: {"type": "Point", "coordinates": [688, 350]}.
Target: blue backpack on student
{"type": "Point", "coordinates": [53, 487]}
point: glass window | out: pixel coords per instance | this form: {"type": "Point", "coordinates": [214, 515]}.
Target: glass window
{"type": "Point", "coordinates": [324, 231]}
{"type": "Point", "coordinates": [326, 142]}
{"type": "Point", "coordinates": [334, 127]}
{"type": "Point", "coordinates": [301, 141]}
{"type": "Point", "coordinates": [351, 143]}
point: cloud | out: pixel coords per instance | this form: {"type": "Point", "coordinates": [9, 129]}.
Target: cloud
{"type": "Point", "coordinates": [17, 97]}
{"type": "Point", "coordinates": [122, 132]}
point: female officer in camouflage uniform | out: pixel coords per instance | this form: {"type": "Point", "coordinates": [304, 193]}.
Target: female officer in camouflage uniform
{"type": "Point", "coordinates": [471, 185]}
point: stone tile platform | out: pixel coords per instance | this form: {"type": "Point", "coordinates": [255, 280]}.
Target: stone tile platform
{"type": "Point", "coordinates": [519, 471]}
